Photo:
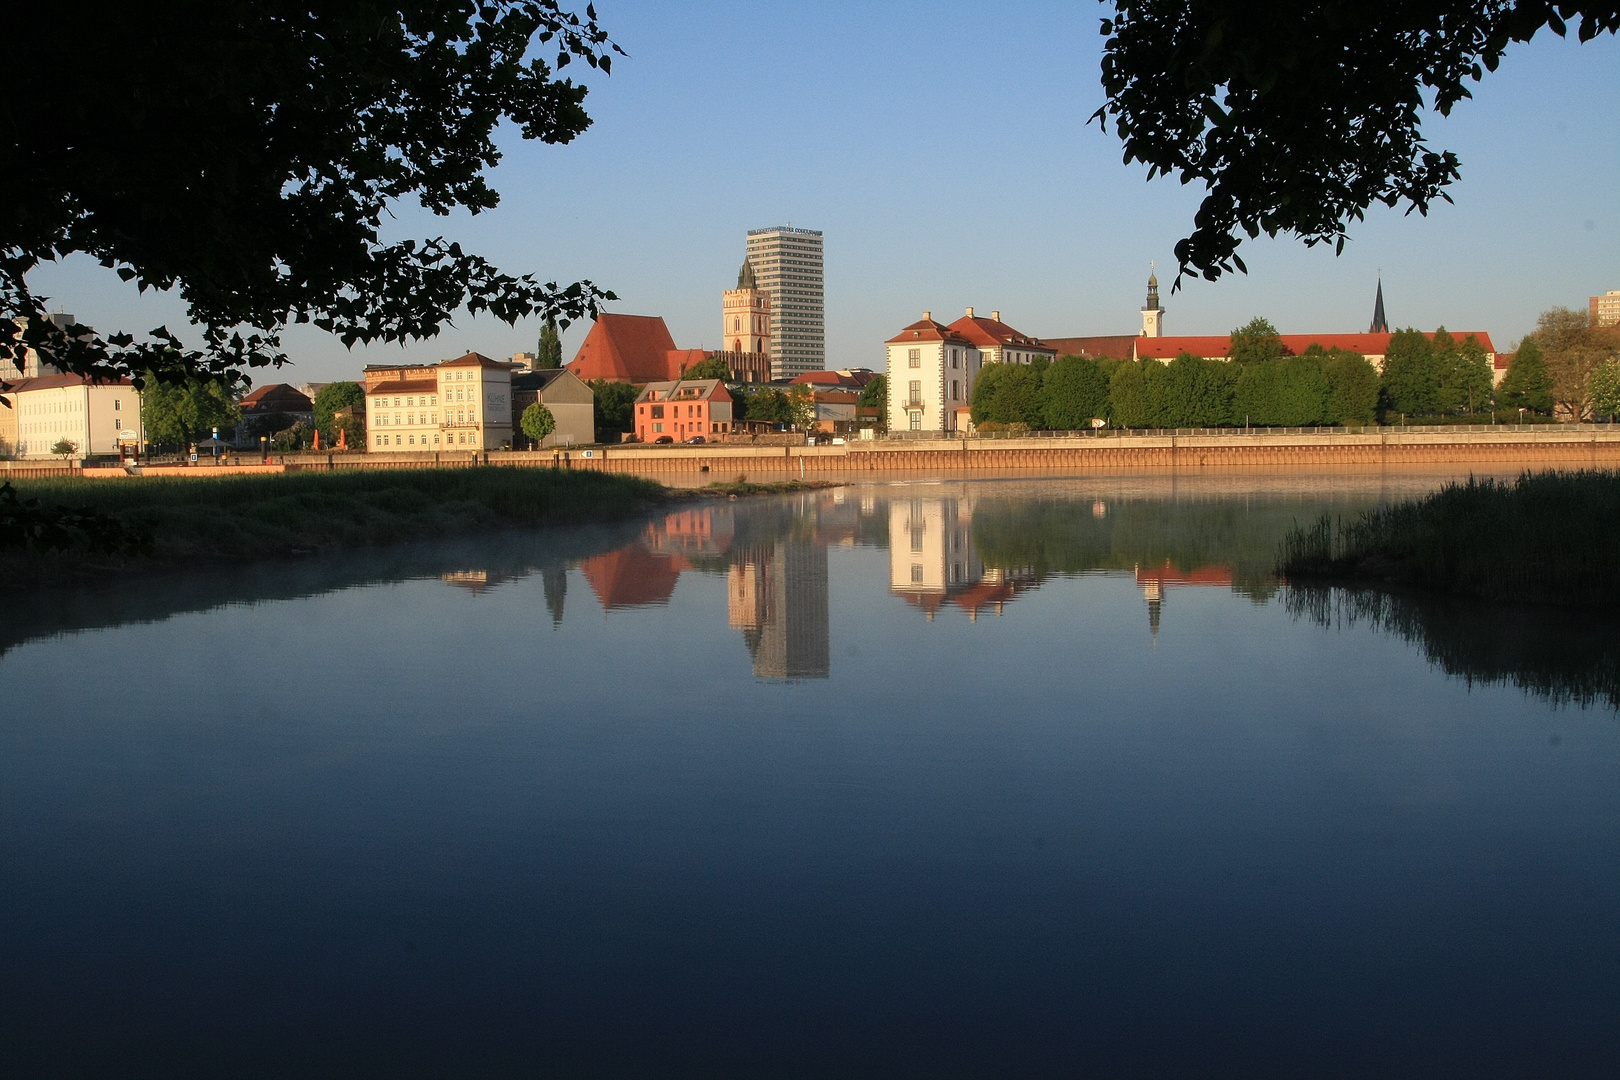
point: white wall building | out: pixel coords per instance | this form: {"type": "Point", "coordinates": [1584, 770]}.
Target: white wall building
{"type": "Point", "coordinates": [930, 378]}
{"type": "Point", "coordinates": [98, 418]}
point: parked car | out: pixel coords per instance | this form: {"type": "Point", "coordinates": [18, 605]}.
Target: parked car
{"type": "Point", "coordinates": [664, 439]}
{"type": "Point", "coordinates": [696, 440]}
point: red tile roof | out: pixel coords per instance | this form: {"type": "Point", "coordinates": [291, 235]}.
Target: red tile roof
{"type": "Point", "coordinates": [993, 333]}
{"type": "Point", "coordinates": [626, 348]}
{"type": "Point", "coordinates": [1117, 346]}
{"type": "Point", "coordinates": [404, 386]}
{"type": "Point", "coordinates": [1168, 348]}
{"type": "Point", "coordinates": [277, 397]}
{"type": "Point", "coordinates": [474, 359]}
{"type": "Point", "coordinates": [56, 382]}
{"type": "Point", "coordinates": [928, 330]}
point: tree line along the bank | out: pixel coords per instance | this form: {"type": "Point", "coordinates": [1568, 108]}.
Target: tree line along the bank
{"type": "Point", "coordinates": [1563, 366]}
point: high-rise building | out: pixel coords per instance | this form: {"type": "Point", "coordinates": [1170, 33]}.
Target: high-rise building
{"type": "Point", "coordinates": [788, 265]}
{"type": "Point", "coordinates": [1606, 309]}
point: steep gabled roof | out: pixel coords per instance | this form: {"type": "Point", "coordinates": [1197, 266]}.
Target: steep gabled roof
{"type": "Point", "coordinates": [625, 348]}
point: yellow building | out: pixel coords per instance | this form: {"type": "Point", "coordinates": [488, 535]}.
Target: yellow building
{"type": "Point", "coordinates": [461, 404]}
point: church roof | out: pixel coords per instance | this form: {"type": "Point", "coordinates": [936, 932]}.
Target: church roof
{"type": "Point", "coordinates": [626, 348]}
{"type": "Point", "coordinates": [1380, 325]}
{"type": "Point", "coordinates": [745, 276]}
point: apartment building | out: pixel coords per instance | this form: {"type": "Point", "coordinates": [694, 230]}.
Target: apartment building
{"type": "Point", "coordinates": [788, 265]}
{"type": "Point", "coordinates": [460, 404]}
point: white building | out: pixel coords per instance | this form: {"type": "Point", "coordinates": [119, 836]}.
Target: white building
{"type": "Point", "coordinates": [930, 378]}
{"type": "Point", "coordinates": [98, 418]}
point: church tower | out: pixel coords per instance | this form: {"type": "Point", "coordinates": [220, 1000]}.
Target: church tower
{"type": "Point", "coordinates": [1152, 313]}
{"type": "Point", "coordinates": [747, 312]}
{"type": "Point", "coordinates": [1380, 325]}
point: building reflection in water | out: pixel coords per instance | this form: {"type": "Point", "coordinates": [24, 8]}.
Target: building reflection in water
{"type": "Point", "coordinates": [1154, 580]}
{"type": "Point", "coordinates": [932, 560]}
{"type": "Point", "coordinates": [777, 597]}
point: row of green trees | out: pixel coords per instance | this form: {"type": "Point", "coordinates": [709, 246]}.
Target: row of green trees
{"type": "Point", "coordinates": [1259, 384]}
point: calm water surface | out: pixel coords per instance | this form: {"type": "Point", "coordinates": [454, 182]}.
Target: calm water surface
{"type": "Point", "coordinates": [954, 779]}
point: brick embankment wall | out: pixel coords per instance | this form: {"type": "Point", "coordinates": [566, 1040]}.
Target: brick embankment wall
{"type": "Point", "coordinates": [968, 457]}
{"type": "Point", "coordinates": [1565, 446]}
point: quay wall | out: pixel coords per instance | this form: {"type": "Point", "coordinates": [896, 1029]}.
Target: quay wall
{"type": "Point", "coordinates": [968, 457]}
{"type": "Point", "coordinates": [1569, 447]}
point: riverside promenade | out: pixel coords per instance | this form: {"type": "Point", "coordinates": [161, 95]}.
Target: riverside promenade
{"type": "Point", "coordinates": [1568, 446]}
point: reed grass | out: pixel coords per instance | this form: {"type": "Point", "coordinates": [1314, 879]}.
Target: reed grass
{"type": "Point", "coordinates": [236, 517]}
{"type": "Point", "coordinates": [1551, 537]}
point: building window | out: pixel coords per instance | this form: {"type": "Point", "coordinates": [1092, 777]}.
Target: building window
{"type": "Point", "coordinates": [117, 404]}
{"type": "Point", "coordinates": [916, 573]}
{"type": "Point", "coordinates": [658, 413]}
{"type": "Point", "coordinates": [658, 427]}
{"type": "Point", "coordinates": [913, 358]}
{"type": "Point", "coordinates": [915, 397]}
{"type": "Point", "coordinates": [916, 421]}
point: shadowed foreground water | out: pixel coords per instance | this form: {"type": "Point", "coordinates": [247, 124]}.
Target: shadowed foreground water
{"type": "Point", "coordinates": [980, 779]}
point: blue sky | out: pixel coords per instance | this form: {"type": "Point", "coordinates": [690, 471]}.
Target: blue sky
{"type": "Point", "coordinates": [943, 149]}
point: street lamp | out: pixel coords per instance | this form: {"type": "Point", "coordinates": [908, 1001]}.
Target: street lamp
{"type": "Point", "coordinates": [1521, 418]}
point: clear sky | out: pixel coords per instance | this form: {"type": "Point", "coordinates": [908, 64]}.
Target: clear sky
{"type": "Point", "coordinates": [944, 151]}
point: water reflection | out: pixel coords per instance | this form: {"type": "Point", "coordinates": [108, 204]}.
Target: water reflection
{"type": "Point", "coordinates": [968, 548]}
{"type": "Point", "coordinates": [1564, 657]}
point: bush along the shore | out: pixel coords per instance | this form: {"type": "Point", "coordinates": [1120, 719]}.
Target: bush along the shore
{"type": "Point", "coordinates": [39, 527]}
{"type": "Point", "coordinates": [1549, 538]}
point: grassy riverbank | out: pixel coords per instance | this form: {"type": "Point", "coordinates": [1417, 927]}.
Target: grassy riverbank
{"type": "Point", "coordinates": [180, 520]}
{"type": "Point", "coordinates": [1549, 538]}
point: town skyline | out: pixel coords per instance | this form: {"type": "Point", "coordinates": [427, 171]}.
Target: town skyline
{"type": "Point", "coordinates": [1059, 240]}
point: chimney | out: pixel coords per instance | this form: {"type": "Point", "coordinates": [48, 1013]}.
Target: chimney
{"type": "Point", "coordinates": [928, 316]}
{"type": "Point", "coordinates": [970, 313]}
{"type": "Point", "coordinates": [995, 315]}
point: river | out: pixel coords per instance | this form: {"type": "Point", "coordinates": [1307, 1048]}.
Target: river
{"type": "Point", "coordinates": [989, 778]}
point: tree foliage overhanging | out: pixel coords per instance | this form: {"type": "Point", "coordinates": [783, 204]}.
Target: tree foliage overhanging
{"type": "Point", "coordinates": [1298, 117]}
{"type": "Point", "coordinates": [245, 153]}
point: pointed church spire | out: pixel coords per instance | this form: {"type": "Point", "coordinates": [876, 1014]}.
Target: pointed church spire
{"type": "Point", "coordinates": [1380, 325]}
{"type": "Point", "coordinates": [745, 276]}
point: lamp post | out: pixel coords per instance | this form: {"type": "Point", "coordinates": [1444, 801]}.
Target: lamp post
{"type": "Point", "coordinates": [1521, 418]}
{"type": "Point", "coordinates": [264, 453]}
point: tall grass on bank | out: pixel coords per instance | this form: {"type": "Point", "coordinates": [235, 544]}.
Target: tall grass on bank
{"type": "Point", "coordinates": [237, 517]}
{"type": "Point", "coordinates": [1551, 537]}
